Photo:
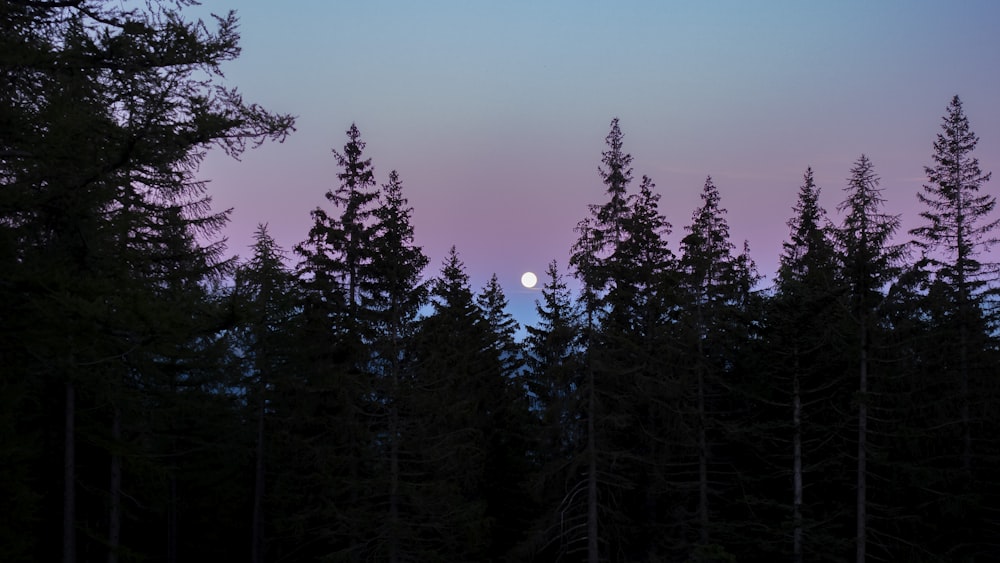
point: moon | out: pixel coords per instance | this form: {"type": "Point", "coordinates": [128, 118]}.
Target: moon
{"type": "Point", "coordinates": [529, 280]}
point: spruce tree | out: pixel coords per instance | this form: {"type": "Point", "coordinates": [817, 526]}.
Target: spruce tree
{"type": "Point", "coordinates": [957, 287]}
{"type": "Point", "coordinates": [552, 350]}
{"type": "Point", "coordinates": [961, 229]}
{"type": "Point", "coordinates": [338, 386]}
{"type": "Point", "coordinates": [493, 304]}
{"type": "Point", "coordinates": [869, 263]}
{"type": "Point", "coordinates": [104, 122]}
{"type": "Point", "coordinates": [264, 292]}
{"type": "Point", "coordinates": [455, 395]}
{"type": "Point", "coordinates": [506, 481]}
{"type": "Point", "coordinates": [597, 264]}
{"type": "Point", "coordinates": [807, 379]}
{"type": "Point", "coordinates": [706, 266]}
{"type": "Point", "coordinates": [392, 293]}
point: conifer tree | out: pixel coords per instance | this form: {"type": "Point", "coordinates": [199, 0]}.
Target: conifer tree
{"type": "Point", "coordinates": [264, 290]}
{"type": "Point", "coordinates": [500, 323]}
{"type": "Point", "coordinates": [392, 293]}
{"type": "Point", "coordinates": [954, 318]}
{"type": "Point", "coordinates": [552, 350]}
{"type": "Point", "coordinates": [869, 262]}
{"type": "Point", "coordinates": [506, 486]}
{"type": "Point", "coordinates": [961, 229]}
{"type": "Point", "coordinates": [97, 169]}
{"type": "Point", "coordinates": [552, 347]}
{"type": "Point", "coordinates": [808, 379]}
{"type": "Point", "coordinates": [598, 264]}
{"type": "Point", "coordinates": [336, 266]}
{"type": "Point", "coordinates": [456, 394]}
{"type": "Point", "coordinates": [707, 276]}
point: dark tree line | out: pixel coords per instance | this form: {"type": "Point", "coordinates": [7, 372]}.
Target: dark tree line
{"type": "Point", "coordinates": [160, 402]}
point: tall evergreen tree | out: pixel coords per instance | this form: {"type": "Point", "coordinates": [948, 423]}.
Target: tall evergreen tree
{"type": "Point", "coordinates": [870, 262]}
{"type": "Point", "coordinates": [953, 309]}
{"type": "Point", "coordinates": [459, 398]}
{"type": "Point", "coordinates": [808, 380]}
{"type": "Point", "coordinates": [264, 290]}
{"type": "Point", "coordinates": [104, 123]}
{"type": "Point", "coordinates": [508, 502]}
{"type": "Point", "coordinates": [707, 276]}
{"type": "Point", "coordinates": [338, 386]}
{"type": "Point", "coordinates": [961, 229]}
{"type": "Point", "coordinates": [392, 292]}
{"type": "Point", "coordinates": [599, 263]}
{"type": "Point", "coordinates": [552, 349]}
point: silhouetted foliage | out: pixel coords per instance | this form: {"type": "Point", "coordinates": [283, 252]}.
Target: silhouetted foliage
{"type": "Point", "coordinates": [160, 401]}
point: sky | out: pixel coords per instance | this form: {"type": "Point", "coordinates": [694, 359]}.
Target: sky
{"type": "Point", "coordinates": [494, 114]}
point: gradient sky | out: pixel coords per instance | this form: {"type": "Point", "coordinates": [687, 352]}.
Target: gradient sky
{"type": "Point", "coordinates": [495, 113]}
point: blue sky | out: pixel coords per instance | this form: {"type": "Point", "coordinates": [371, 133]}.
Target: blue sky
{"type": "Point", "coordinates": [495, 113]}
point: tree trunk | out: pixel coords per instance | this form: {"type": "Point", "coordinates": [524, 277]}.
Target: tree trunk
{"type": "Point", "coordinates": [172, 520]}
{"type": "Point", "coordinates": [593, 553]}
{"type": "Point", "coordinates": [257, 545]}
{"type": "Point", "coordinates": [965, 398]}
{"type": "Point", "coordinates": [796, 464]}
{"type": "Point", "coordinates": [702, 433]}
{"type": "Point", "coordinates": [69, 477]}
{"type": "Point", "coordinates": [394, 437]}
{"type": "Point", "coordinates": [115, 488]}
{"type": "Point", "coordinates": [862, 508]}
{"type": "Point", "coordinates": [394, 487]}
{"type": "Point", "coordinates": [702, 460]}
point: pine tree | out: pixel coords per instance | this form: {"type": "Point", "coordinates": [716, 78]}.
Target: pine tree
{"type": "Point", "coordinates": [264, 291]}
{"type": "Point", "coordinates": [707, 276]}
{"type": "Point", "coordinates": [392, 293]}
{"type": "Point", "coordinates": [335, 272]}
{"type": "Point", "coordinates": [607, 223]}
{"type": "Point", "coordinates": [597, 263]}
{"type": "Point", "coordinates": [455, 395]}
{"type": "Point", "coordinates": [506, 481]}
{"type": "Point", "coordinates": [637, 352]}
{"type": "Point", "coordinates": [960, 230]}
{"type": "Point", "coordinates": [97, 169]}
{"type": "Point", "coordinates": [493, 304]}
{"type": "Point", "coordinates": [807, 380]}
{"type": "Point", "coordinates": [954, 295]}
{"type": "Point", "coordinates": [870, 262]}
{"type": "Point", "coordinates": [552, 349]}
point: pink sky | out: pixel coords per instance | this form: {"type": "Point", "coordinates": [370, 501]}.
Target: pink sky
{"type": "Point", "coordinates": [495, 114]}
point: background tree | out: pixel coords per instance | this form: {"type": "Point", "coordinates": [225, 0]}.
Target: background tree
{"type": "Point", "coordinates": [456, 395]}
{"type": "Point", "coordinates": [264, 291]}
{"type": "Point", "coordinates": [552, 350]}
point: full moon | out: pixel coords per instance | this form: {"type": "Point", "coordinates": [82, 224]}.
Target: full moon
{"type": "Point", "coordinates": [529, 279]}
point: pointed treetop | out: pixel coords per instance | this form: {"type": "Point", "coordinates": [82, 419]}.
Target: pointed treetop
{"type": "Point", "coordinates": [616, 173]}
{"type": "Point", "coordinates": [357, 176]}
{"type": "Point", "coordinates": [864, 238]}
{"type": "Point", "coordinates": [809, 245]}
{"type": "Point", "coordinates": [960, 225]}
{"type": "Point", "coordinates": [708, 231]}
{"type": "Point", "coordinates": [452, 286]}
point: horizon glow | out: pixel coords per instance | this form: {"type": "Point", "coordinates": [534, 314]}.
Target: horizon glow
{"type": "Point", "coordinates": [494, 114]}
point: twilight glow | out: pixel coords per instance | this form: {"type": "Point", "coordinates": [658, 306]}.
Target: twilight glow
{"type": "Point", "coordinates": [494, 114]}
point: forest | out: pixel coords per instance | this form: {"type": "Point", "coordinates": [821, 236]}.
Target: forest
{"type": "Point", "coordinates": [345, 400]}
